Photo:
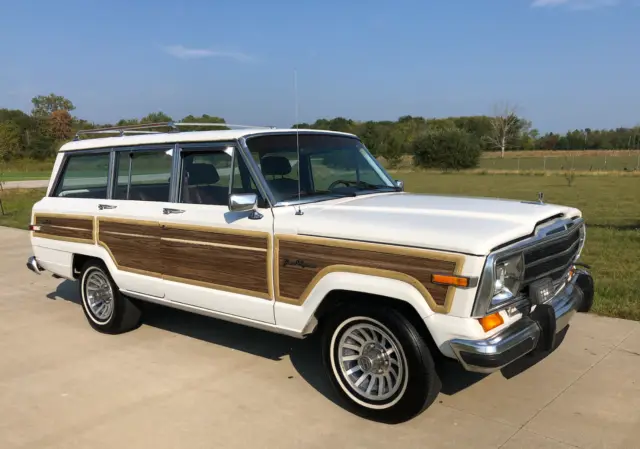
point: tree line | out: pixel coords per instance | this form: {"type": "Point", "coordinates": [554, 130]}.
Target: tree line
{"type": "Point", "coordinates": [39, 134]}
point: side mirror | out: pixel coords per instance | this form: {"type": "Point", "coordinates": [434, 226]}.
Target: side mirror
{"type": "Point", "coordinates": [243, 202]}
{"type": "Point", "coordinates": [400, 185]}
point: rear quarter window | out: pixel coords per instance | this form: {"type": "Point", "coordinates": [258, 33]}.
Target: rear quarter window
{"type": "Point", "coordinates": [84, 176]}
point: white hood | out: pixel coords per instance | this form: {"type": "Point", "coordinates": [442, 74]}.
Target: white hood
{"type": "Point", "coordinates": [449, 223]}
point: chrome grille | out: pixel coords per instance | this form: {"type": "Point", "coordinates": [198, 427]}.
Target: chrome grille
{"type": "Point", "coordinates": [552, 259]}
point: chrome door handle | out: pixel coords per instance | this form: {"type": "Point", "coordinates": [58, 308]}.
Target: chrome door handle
{"type": "Point", "coordinates": [106, 206]}
{"type": "Point", "coordinates": [168, 211]}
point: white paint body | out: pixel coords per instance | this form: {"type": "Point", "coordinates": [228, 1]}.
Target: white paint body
{"type": "Point", "coordinates": [468, 226]}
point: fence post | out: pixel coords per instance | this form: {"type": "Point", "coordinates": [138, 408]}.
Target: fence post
{"type": "Point", "coordinates": [544, 163]}
{"type": "Point", "coordinates": [605, 162]}
{"type": "Point", "coordinates": [638, 164]}
{"type": "Point", "coordinates": [518, 164]}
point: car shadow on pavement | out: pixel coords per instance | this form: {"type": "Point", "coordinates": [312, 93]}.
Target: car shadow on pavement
{"type": "Point", "coordinates": [305, 355]}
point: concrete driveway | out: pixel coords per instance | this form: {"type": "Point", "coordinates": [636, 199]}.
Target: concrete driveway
{"type": "Point", "coordinates": [34, 184]}
{"type": "Point", "coordinates": [183, 381]}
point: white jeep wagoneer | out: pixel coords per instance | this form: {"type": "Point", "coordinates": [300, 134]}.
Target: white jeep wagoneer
{"type": "Point", "coordinates": [302, 231]}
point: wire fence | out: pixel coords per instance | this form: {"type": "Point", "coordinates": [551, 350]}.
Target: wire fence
{"type": "Point", "coordinates": [628, 162]}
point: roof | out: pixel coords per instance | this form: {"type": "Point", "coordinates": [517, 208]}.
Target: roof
{"type": "Point", "coordinates": [182, 137]}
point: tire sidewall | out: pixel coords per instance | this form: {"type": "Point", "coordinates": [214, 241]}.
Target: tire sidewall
{"type": "Point", "coordinates": [95, 322]}
{"type": "Point", "coordinates": [421, 385]}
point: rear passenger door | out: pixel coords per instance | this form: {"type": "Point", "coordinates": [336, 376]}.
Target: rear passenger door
{"type": "Point", "coordinates": [213, 258]}
{"type": "Point", "coordinates": [129, 222]}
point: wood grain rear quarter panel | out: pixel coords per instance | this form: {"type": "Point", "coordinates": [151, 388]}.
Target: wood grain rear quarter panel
{"type": "Point", "coordinates": [303, 261]}
{"type": "Point", "coordinates": [72, 228]}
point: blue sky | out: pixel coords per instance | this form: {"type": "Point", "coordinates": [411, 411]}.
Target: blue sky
{"type": "Point", "coordinates": [565, 63]}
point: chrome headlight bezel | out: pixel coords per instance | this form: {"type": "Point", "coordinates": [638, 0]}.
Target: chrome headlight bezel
{"type": "Point", "coordinates": [544, 234]}
{"type": "Point", "coordinates": [507, 277]}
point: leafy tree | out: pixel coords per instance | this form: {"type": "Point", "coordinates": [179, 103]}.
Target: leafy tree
{"type": "Point", "coordinates": [42, 146]}
{"type": "Point", "coordinates": [129, 122]}
{"type": "Point", "coordinates": [446, 149]}
{"type": "Point", "coordinates": [10, 140]}
{"type": "Point", "coordinates": [44, 105]}
{"type": "Point", "coordinates": [205, 118]}
{"type": "Point", "coordinates": [61, 125]}
{"type": "Point", "coordinates": [156, 117]}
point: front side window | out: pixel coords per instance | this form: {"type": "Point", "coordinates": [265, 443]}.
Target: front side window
{"type": "Point", "coordinates": [209, 176]}
{"type": "Point", "coordinates": [330, 166]}
{"type": "Point", "coordinates": [84, 176]}
{"type": "Point", "coordinates": [143, 175]}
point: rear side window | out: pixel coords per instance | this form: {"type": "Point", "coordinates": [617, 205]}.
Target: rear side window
{"type": "Point", "coordinates": [143, 176]}
{"type": "Point", "coordinates": [84, 176]}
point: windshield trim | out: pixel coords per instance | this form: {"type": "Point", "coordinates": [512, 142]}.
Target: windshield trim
{"type": "Point", "coordinates": [261, 180]}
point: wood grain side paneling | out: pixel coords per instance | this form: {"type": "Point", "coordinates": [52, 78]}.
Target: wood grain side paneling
{"type": "Point", "coordinates": [216, 237]}
{"type": "Point", "coordinates": [209, 257]}
{"type": "Point", "coordinates": [230, 269]}
{"type": "Point", "coordinates": [302, 261]}
{"type": "Point", "coordinates": [133, 246]}
{"type": "Point", "coordinates": [70, 228]}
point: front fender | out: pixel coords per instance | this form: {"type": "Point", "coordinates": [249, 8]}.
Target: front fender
{"type": "Point", "coordinates": [297, 317]}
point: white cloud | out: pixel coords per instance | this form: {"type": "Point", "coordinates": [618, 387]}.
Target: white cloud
{"type": "Point", "coordinates": [182, 52]}
{"type": "Point", "coordinates": [574, 4]}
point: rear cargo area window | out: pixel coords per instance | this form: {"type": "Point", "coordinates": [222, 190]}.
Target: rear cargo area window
{"type": "Point", "coordinates": [84, 176]}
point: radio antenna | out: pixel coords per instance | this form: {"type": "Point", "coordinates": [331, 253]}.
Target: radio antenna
{"type": "Point", "coordinates": [295, 90]}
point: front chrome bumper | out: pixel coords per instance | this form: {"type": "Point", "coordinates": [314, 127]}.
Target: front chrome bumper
{"type": "Point", "coordinates": [534, 331]}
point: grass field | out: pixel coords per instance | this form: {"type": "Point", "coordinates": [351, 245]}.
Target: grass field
{"type": "Point", "coordinates": [609, 203]}
{"type": "Point", "coordinates": [611, 209]}
{"type": "Point", "coordinates": [25, 169]}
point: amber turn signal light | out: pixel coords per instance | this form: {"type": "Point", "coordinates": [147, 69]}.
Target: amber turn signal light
{"type": "Point", "coordinates": [491, 321]}
{"type": "Point", "coordinates": [444, 279]}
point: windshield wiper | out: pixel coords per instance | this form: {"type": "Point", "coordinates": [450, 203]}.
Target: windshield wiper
{"type": "Point", "coordinates": [364, 185]}
{"type": "Point", "coordinates": [320, 194]}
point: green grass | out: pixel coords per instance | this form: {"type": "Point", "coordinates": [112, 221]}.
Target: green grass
{"type": "Point", "coordinates": [609, 203]}
{"type": "Point", "coordinates": [17, 204]}
{"type": "Point", "coordinates": [25, 170]}
{"type": "Point", "coordinates": [611, 209]}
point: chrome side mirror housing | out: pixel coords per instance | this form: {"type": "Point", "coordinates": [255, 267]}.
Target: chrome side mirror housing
{"type": "Point", "coordinates": [399, 185]}
{"type": "Point", "coordinates": [243, 202]}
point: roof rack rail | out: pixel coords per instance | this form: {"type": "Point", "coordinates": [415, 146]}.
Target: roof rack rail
{"type": "Point", "coordinates": [145, 128]}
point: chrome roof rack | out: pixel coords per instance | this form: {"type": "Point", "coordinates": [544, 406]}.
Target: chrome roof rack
{"type": "Point", "coordinates": [148, 128]}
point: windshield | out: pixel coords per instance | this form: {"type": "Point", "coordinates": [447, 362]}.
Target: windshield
{"type": "Point", "coordinates": [330, 166]}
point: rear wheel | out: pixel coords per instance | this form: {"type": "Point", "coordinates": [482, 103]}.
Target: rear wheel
{"type": "Point", "coordinates": [106, 309]}
{"type": "Point", "coordinates": [379, 364]}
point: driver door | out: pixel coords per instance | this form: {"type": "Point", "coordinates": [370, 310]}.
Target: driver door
{"type": "Point", "coordinates": [214, 258]}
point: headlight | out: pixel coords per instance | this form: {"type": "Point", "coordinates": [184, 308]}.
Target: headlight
{"type": "Point", "coordinates": [507, 278]}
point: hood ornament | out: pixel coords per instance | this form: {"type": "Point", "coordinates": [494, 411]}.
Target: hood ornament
{"type": "Point", "coordinates": [540, 198]}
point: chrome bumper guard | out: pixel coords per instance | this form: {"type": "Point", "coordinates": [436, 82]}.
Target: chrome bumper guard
{"type": "Point", "coordinates": [33, 265]}
{"type": "Point", "coordinates": [528, 333]}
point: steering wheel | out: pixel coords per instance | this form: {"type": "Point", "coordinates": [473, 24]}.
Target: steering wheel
{"type": "Point", "coordinates": [338, 182]}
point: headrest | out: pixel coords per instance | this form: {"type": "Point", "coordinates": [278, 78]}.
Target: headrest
{"type": "Point", "coordinates": [202, 174]}
{"type": "Point", "coordinates": [275, 165]}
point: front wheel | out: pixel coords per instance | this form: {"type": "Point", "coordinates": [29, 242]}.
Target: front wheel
{"type": "Point", "coordinates": [379, 364]}
{"type": "Point", "coordinates": [106, 309]}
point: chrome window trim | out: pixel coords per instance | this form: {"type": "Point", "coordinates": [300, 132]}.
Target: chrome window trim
{"type": "Point", "coordinates": [264, 185]}
{"type": "Point", "coordinates": [548, 233]}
